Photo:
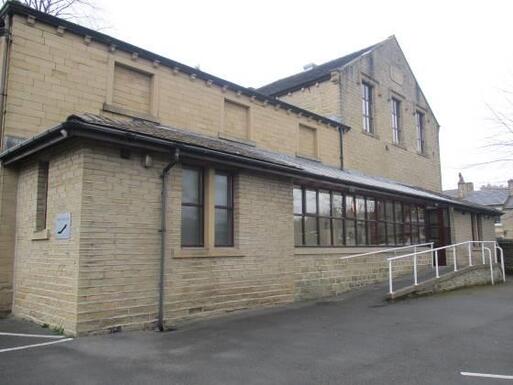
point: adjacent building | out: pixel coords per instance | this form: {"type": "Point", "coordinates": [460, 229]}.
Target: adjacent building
{"type": "Point", "coordinates": [497, 197]}
{"type": "Point", "coordinates": [136, 191]}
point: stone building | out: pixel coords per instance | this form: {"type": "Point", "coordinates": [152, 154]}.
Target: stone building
{"type": "Point", "coordinates": [136, 191]}
{"type": "Point", "coordinates": [497, 197]}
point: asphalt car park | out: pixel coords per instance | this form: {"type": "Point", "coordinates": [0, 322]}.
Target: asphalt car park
{"type": "Point", "coordinates": [461, 337]}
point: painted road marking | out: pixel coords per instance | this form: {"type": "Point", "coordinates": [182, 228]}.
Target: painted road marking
{"type": "Point", "coordinates": [35, 345]}
{"type": "Point", "coordinates": [486, 375]}
{"type": "Point", "coordinates": [31, 335]}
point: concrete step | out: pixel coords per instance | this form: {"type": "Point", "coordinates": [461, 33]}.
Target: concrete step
{"type": "Point", "coordinates": [449, 280]}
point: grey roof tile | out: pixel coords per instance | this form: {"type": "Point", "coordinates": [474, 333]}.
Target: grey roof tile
{"type": "Point", "coordinates": [300, 165]}
{"type": "Point", "coordinates": [309, 76]}
{"type": "Point", "coordinates": [486, 196]}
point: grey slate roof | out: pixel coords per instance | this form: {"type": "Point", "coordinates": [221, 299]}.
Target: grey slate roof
{"type": "Point", "coordinates": [194, 143]}
{"type": "Point", "coordinates": [318, 73]}
{"type": "Point", "coordinates": [486, 196]}
{"type": "Point", "coordinates": [298, 165]}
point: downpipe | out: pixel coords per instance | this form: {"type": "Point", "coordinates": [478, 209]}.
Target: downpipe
{"type": "Point", "coordinates": [163, 210]}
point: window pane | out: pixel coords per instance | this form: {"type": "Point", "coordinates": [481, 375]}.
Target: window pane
{"type": "Point", "coordinates": [414, 234]}
{"type": "Point", "coordinates": [325, 231]}
{"type": "Point", "coordinates": [360, 207]}
{"type": "Point", "coordinates": [192, 234]}
{"type": "Point", "coordinates": [389, 211]}
{"type": "Point", "coordinates": [382, 240]}
{"type": "Point", "coordinates": [223, 228]}
{"type": "Point", "coordinates": [380, 208]}
{"type": "Point", "coordinates": [311, 238]}
{"type": "Point", "coordinates": [361, 233]}
{"type": "Point", "coordinates": [337, 205]}
{"type": "Point", "coordinates": [298, 230]}
{"type": "Point", "coordinates": [191, 179]}
{"type": "Point", "coordinates": [422, 234]}
{"type": "Point", "coordinates": [390, 234]}
{"type": "Point", "coordinates": [421, 215]}
{"type": "Point", "coordinates": [350, 233]}
{"type": "Point", "coordinates": [371, 209]}
{"type": "Point", "coordinates": [407, 213]}
{"type": "Point", "coordinates": [324, 203]}
{"type": "Point", "coordinates": [372, 233]}
{"type": "Point", "coordinates": [311, 202]}
{"type": "Point", "coordinates": [298, 201]}
{"type": "Point", "coordinates": [414, 213]}
{"type": "Point", "coordinates": [407, 234]}
{"type": "Point", "coordinates": [350, 210]}
{"type": "Point", "coordinates": [398, 212]}
{"type": "Point", "coordinates": [399, 234]}
{"type": "Point", "coordinates": [338, 232]}
{"type": "Point", "coordinates": [223, 192]}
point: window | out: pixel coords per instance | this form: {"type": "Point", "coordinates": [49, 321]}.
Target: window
{"type": "Point", "coordinates": [331, 218]}
{"type": "Point", "coordinates": [396, 121]}
{"type": "Point", "coordinates": [367, 101]}
{"type": "Point", "coordinates": [192, 207]}
{"type": "Point", "coordinates": [419, 123]}
{"type": "Point", "coordinates": [42, 195]}
{"type": "Point", "coordinates": [223, 210]}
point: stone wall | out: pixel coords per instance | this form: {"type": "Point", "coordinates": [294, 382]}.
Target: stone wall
{"type": "Point", "coordinates": [46, 269]}
{"type": "Point", "coordinates": [321, 272]}
{"type": "Point", "coordinates": [387, 70]}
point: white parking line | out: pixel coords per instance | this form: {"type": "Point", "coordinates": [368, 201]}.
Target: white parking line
{"type": "Point", "coordinates": [486, 375]}
{"type": "Point", "coordinates": [34, 345]}
{"type": "Point", "coordinates": [31, 335]}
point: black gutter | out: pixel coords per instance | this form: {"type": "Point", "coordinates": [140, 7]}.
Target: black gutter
{"type": "Point", "coordinates": [105, 133]}
{"type": "Point", "coordinates": [13, 7]}
{"type": "Point", "coordinates": [341, 141]}
{"type": "Point", "coordinates": [163, 210]}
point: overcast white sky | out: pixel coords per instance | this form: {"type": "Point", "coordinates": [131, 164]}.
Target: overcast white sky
{"type": "Point", "coordinates": [461, 52]}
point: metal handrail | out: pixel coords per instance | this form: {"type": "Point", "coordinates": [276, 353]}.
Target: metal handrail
{"type": "Point", "coordinates": [394, 249]}
{"type": "Point", "coordinates": [453, 246]}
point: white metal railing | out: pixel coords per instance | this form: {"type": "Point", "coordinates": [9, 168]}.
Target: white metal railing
{"type": "Point", "coordinates": [453, 247]}
{"type": "Point", "coordinates": [393, 249]}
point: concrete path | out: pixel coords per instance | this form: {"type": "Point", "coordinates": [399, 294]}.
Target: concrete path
{"type": "Point", "coordinates": [357, 338]}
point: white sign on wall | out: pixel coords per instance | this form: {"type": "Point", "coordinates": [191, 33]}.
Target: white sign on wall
{"type": "Point", "coordinates": [63, 226]}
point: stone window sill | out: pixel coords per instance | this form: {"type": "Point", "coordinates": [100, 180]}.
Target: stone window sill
{"type": "Point", "coordinates": [424, 154]}
{"type": "Point", "coordinates": [129, 113]}
{"type": "Point", "coordinates": [41, 235]}
{"type": "Point", "coordinates": [218, 252]}
{"type": "Point", "coordinates": [400, 145]}
{"type": "Point", "coordinates": [370, 134]}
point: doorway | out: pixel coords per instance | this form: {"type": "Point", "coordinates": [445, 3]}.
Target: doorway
{"type": "Point", "coordinates": [439, 231]}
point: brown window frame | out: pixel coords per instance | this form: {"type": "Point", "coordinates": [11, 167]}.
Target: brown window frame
{"type": "Point", "coordinates": [421, 131]}
{"type": "Point", "coordinates": [367, 107]}
{"type": "Point", "coordinates": [228, 209]}
{"type": "Point", "coordinates": [397, 221]}
{"type": "Point", "coordinates": [43, 173]}
{"type": "Point", "coordinates": [396, 120]}
{"type": "Point", "coordinates": [200, 205]}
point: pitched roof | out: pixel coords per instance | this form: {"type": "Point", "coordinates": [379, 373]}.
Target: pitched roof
{"type": "Point", "coordinates": [15, 7]}
{"type": "Point", "coordinates": [488, 196]}
{"type": "Point", "coordinates": [194, 144]}
{"type": "Point", "coordinates": [313, 75]}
